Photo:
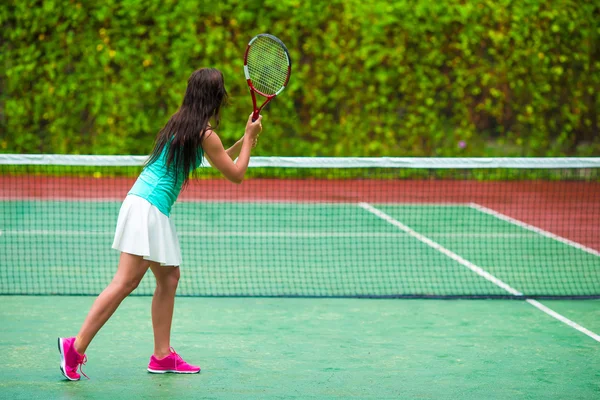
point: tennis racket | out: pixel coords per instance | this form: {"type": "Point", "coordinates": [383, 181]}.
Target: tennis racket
{"type": "Point", "coordinates": [267, 67]}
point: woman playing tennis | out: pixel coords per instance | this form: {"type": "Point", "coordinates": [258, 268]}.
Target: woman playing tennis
{"type": "Point", "coordinates": [145, 234]}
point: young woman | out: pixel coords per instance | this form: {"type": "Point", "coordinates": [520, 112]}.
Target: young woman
{"type": "Point", "coordinates": [145, 234]}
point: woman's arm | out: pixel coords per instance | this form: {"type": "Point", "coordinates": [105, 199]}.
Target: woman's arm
{"type": "Point", "coordinates": [234, 151]}
{"type": "Point", "coordinates": [222, 159]}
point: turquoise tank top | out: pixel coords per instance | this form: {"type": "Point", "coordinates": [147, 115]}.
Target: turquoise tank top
{"type": "Point", "coordinates": [157, 184]}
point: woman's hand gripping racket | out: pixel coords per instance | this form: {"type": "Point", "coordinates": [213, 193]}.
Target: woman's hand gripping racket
{"type": "Point", "coordinates": [267, 67]}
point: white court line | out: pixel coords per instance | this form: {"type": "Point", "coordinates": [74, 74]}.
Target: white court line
{"type": "Point", "coordinates": [270, 234]}
{"type": "Point", "coordinates": [561, 318]}
{"type": "Point", "coordinates": [291, 234]}
{"type": "Point", "coordinates": [478, 270]}
{"type": "Point", "coordinates": [215, 233]}
{"type": "Point", "coordinates": [258, 201]}
{"type": "Point", "coordinates": [532, 228]}
{"type": "Point", "coordinates": [38, 232]}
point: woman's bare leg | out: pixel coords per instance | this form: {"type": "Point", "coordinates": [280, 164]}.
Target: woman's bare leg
{"type": "Point", "coordinates": [130, 272]}
{"type": "Point", "coordinates": [163, 302]}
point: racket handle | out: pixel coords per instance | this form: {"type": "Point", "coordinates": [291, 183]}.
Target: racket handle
{"type": "Point", "coordinates": [255, 115]}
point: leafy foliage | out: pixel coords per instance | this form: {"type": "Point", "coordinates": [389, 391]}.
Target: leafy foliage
{"type": "Point", "coordinates": [408, 77]}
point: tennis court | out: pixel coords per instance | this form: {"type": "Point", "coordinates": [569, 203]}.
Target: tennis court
{"type": "Point", "coordinates": [320, 286]}
{"type": "Point", "coordinates": [301, 249]}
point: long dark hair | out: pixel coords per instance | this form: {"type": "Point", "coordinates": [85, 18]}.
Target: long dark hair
{"type": "Point", "coordinates": [183, 134]}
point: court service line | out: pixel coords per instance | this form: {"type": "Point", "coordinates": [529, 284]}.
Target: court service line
{"type": "Point", "coordinates": [39, 232]}
{"type": "Point", "coordinates": [312, 234]}
{"type": "Point", "coordinates": [478, 270]}
{"type": "Point", "coordinates": [532, 228]}
{"type": "Point", "coordinates": [296, 234]}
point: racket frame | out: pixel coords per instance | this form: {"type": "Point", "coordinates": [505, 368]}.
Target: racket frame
{"type": "Point", "coordinates": [253, 90]}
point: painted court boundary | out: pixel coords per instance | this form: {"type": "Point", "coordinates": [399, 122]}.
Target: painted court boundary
{"type": "Point", "coordinates": [476, 269]}
{"type": "Point", "coordinates": [532, 228]}
{"type": "Point", "coordinates": [284, 234]}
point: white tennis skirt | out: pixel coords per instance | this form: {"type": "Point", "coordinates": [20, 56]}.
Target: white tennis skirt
{"type": "Point", "coordinates": [144, 231]}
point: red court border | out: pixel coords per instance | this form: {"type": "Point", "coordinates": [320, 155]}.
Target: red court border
{"type": "Point", "coordinates": [567, 209]}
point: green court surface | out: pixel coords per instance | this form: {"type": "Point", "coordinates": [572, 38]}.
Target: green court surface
{"type": "Point", "coordinates": [254, 348]}
{"type": "Point", "coordinates": [294, 249]}
{"type": "Point", "coordinates": [313, 347]}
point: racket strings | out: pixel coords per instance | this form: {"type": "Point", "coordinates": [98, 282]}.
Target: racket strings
{"type": "Point", "coordinates": [267, 65]}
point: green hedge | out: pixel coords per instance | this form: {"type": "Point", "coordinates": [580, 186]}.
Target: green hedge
{"type": "Point", "coordinates": [406, 77]}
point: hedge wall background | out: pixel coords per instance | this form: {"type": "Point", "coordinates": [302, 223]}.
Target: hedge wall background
{"type": "Point", "coordinates": [401, 78]}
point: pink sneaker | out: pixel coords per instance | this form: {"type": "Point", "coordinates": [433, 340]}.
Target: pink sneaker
{"type": "Point", "coordinates": [171, 363]}
{"type": "Point", "coordinates": [70, 359]}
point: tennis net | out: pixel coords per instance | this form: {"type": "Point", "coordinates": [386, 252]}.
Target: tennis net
{"type": "Point", "coordinates": [322, 227]}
